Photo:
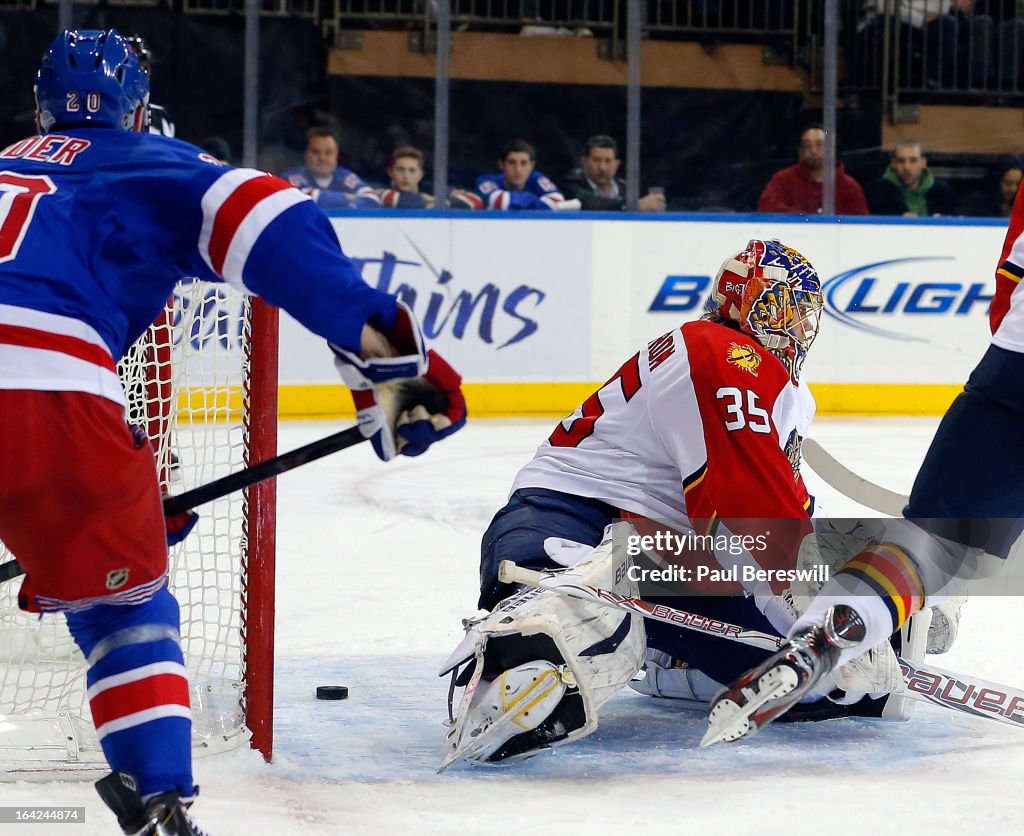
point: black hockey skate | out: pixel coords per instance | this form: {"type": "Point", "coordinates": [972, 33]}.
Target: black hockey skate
{"type": "Point", "coordinates": [769, 690]}
{"type": "Point", "coordinates": [163, 815]}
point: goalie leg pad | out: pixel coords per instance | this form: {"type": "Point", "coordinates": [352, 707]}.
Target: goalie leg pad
{"type": "Point", "coordinates": [675, 680]}
{"type": "Point", "coordinates": [560, 657]}
{"type": "Point", "coordinates": [877, 673]}
{"type": "Point", "coordinates": [945, 624]}
{"type": "Point", "coordinates": [913, 641]}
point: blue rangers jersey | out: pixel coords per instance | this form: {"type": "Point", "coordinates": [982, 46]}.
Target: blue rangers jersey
{"type": "Point", "coordinates": [97, 226]}
{"type": "Point", "coordinates": [345, 191]}
{"type": "Point", "coordinates": [538, 193]}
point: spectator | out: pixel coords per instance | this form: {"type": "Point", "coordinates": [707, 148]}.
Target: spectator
{"type": "Point", "coordinates": [406, 171]}
{"type": "Point", "coordinates": [595, 185]}
{"type": "Point", "coordinates": [908, 188]}
{"type": "Point", "coordinates": [330, 185]}
{"type": "Point", "coordinates": [949, 39]}
{"type": "Point", "coordinates": [798, 189]}
{"type": "Point", "coordinates": [1008, 16]}
{"type": "Point", "coordinates": [519, 185]}
{"type": "Point", "coordinates": [975, 32]}
{"type": "Point", "coordinates": [997, 202]}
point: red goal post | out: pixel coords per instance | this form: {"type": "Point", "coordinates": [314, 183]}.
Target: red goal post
{"type": "Point", "coordinates": [203, 383]}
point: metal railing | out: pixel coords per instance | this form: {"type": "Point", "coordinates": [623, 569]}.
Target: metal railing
{"type": "Point", "coordinates": [272, 8]}
{"type": "Point", "coordinates": [29, 5]}
{"type": "Point", "coordinates": [269, 8]}
{"type": "Point", "coordinates": [918, 49]}
{"type": "Point", "coordinates": [767, 17]}
{"type": "Point", "coordinates": [489, 15]}
{"type": "Point", "coordinates": [663, 18]}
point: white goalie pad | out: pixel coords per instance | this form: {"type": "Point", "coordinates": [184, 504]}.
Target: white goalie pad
{"type": "Point", "coordinates": [672, 679]}
{"type": "Point", "coordinates": [945, 623]}
{"type": "Point", "coordinates": [541, 664]}
{"type": "Point", "coordinates": [877, 672]}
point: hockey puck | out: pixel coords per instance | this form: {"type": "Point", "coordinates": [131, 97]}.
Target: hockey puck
{"type": "Point", "coordinates": [332, 692]}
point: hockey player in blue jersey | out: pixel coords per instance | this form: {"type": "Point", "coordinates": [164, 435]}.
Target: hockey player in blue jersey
{"type": "Point", "coordinates": [519, 185]}
{"type": "Point", "coordinates": [98, 220]}
{"type": "Point", "coordinates": [329, 184]}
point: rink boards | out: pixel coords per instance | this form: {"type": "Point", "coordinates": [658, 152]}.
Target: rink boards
{"type": "Point", "coordinates": [534, 311]}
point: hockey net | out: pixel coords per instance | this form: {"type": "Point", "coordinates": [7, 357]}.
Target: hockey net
{"type": "Point", "coordinates": [203, 383]}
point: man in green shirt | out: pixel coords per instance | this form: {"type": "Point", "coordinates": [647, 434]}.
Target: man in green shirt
{"type": "Point", "coordinates": [908, 188]}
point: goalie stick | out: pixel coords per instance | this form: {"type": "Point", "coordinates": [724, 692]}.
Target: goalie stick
{"type": "Point", "coordinates": [851, 485]}
{"type": "Point", "coordinates": [957, 692]}
{"type": "Point", "coordinates": [239, 480]}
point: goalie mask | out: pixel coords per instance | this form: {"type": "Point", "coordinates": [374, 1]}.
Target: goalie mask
{"type": "Point", "coordinates": [773, 293]}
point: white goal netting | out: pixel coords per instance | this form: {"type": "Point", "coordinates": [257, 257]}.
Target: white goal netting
{"type": "Point", "coordinates": [187, 385]}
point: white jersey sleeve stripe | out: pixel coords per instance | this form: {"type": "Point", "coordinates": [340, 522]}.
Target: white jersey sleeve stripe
{"type": "Point", "coordinates": [258, 219]}
{"type": "Point", "coordinates": [236, 210]}
{"type": "Point", "coordinates": [214, 199]}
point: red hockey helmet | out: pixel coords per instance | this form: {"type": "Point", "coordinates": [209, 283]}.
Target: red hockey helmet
{"type": "Point", "coordinates": [773, 293]}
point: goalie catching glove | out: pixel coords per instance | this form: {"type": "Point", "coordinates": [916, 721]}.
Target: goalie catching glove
{"type": "Point", "coordinates": [407, 398]}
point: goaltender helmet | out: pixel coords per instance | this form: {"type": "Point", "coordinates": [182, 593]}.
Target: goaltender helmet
{"type": "Point", "coordinates": [773, 294]}
{"type": "Point", "coordinates": [90, 77]}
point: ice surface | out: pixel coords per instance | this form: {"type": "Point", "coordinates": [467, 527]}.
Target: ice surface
{"type": "Point", "coordinates": [377, 564]}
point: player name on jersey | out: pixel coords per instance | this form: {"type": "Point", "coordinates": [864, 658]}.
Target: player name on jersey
{"type": "Point", "coordinates": [49, 148]}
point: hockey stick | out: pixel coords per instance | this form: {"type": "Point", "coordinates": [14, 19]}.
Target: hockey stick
{"type": "Point", "coordinates": [850, 484]}
{"type": "Point", "coordinates": [264, 470]}
{"type": "Point", "coordinates": [239, 480]}
{"type": "Point", "coordinates": [508, 572]}
{"type": "Point", "coordinates": [957, 692]}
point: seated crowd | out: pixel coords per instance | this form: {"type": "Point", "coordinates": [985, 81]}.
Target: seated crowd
{"type": "Point", "coordinates": [906, 187]}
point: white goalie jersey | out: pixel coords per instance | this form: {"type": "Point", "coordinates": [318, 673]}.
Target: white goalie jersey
{"type": "Point", "coordinates": [702, 423]}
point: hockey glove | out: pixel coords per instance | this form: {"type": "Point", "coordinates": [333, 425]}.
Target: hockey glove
{"type": "Point", "coordinates": [405, 417]}
{"type": "Point", "coordinates": [401, 406]}
{"type": "Point", "coordinates": [407, 357]}
{"type": "Point", "coordinates": [179, 526]}
{"type": "Point", "coordinates": [435, 412]}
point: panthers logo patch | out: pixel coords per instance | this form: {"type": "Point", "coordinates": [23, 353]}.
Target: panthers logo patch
{"type": "Point", "coordinates": [744, 356]}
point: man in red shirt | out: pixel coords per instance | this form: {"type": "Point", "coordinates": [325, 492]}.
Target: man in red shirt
{"type": "Point", "coordinates": [797, 189]}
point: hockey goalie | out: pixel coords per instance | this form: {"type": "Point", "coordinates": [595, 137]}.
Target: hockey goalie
{"type": "Point", "coordinates": [700, 430]}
